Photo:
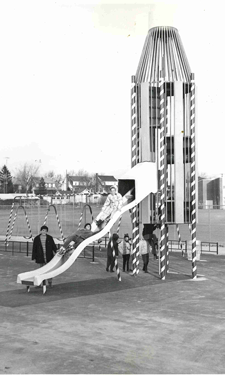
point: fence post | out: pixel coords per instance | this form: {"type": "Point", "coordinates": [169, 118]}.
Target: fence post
{"type": "Point", "coordinates": [27, 248]}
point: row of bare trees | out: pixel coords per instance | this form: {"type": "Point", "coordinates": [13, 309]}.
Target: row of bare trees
{"type": "Point", "coordinates": [25, 178]}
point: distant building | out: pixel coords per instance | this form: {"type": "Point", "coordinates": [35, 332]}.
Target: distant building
{"type": "Point", "coordinates": [210, 193]}
{"type": "Point", "coordinates": [104, 182]}
{"type": "Point", "coordinates": [51, 185]}
{"type": "Point", "coordinates": [76, 184]}
{"type": "Point", "coordinates": [98, 184]}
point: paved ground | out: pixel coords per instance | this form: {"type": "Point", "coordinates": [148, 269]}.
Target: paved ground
{"type": "Point", "coordinates": [90, 323]}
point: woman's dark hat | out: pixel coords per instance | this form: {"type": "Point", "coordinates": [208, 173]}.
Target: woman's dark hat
{"type": "Point", "coordinates": [126, 235]}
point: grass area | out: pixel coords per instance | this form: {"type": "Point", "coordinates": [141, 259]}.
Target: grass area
{"type": "Point", "coordinates": [210, 225]}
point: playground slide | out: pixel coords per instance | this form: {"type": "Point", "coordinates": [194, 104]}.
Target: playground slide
{"type": "Point", "coordinates": [144, 177]}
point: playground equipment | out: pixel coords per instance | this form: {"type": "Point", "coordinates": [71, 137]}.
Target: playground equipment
{"type": "Point", "coordinates": [12, 219]}
{"type": "Point", "coordinates": [83, 213]}
{"type": "Point", "coordinates": [136, 179]}
{"type": "Point", "coordinates": [57, 217]}
{"type": "Point", "coordinates": [162, 173]}
{"type": "Point", "coordinates": [9, 230]}
{"type": "Point", "coordinates": [163, 133]}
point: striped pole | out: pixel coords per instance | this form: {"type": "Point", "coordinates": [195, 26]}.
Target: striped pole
{"type": "Point", "coordinates": [82, 214]}
{"type": "Point", "coordinates": [60, 228]}
{"type": "Point", "coordinates": [193, 178]}
{"type": "Point", "coordinates": [118, 226]}
{"type": "Point", "coordinates": [80, 221]}
{"type": "Point", "coordinates": [11, 231]}
{"type": "Point", "coordinates": [134, 138]}
{"type": "Point", "coordinates": [10, 217]}
{"type": "Point", "coordinates": [57, 217]}
{"type": "Point", "coordinates": [115, 259]}
{"type": "Point", "coordinates": [162, 182]}
{"type": "Point", "coordinates": [28, 224]}
{"type": "Point", "coordinates": [46, 216]}
{"type": "Point", "coordinates": [167, 249]}
{"type": "Point", "coordinates": [135, 241]}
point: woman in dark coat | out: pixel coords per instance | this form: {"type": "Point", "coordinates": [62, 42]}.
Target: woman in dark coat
{"type": "Point", "coordinates": [110, 258]}
{"type": "Point", "coordinates": [44, 248]}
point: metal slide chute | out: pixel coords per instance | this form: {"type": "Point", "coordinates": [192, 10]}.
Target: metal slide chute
{"type": "Point", "coordinates": [143, 178]}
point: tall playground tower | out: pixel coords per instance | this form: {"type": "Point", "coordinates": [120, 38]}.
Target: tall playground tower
{"type": "Point", "coordinates": [163, 133]}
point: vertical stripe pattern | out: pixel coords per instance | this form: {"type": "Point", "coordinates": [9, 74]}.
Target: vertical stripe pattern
{"type": "Point", "coordinates": [10, 218]}
{"type": "Point", "coordinates": [134, 137]}
{"type": "Point", "coordinates": [118, 226]}
{"type": "Point", "coordinates": [135, 240]}
{"type": "Point", "coordinates": [162, 181]}
{"type": "Point", "coordinates": [193, 178]}
{"type": "Point", "coordinates": [57, 218]}
{"type": "Point", "coordinates": [80, 221]}
{"type": "Point", "coordinates": [167, 249]}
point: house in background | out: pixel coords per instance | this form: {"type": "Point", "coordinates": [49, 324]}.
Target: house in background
{"type": "Point", "coordinates": [51, 186]}
{"type": "Point", "coordinates": [97, 184]}
{"type": "Point", "coordinates": [75, 184]}
{"type": "Point", "coordinates": [104, 182]}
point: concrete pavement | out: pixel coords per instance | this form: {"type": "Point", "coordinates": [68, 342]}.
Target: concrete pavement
{"type": "Point", "coordinates": [90, 323]}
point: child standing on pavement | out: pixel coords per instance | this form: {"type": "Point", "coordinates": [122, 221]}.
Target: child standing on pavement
{"type": "Point", "coordinates": [110, 258]}
{"type": "Point", "coordinates": [144, 249]}
{"type": "Point", "coordinates": [125, 250]}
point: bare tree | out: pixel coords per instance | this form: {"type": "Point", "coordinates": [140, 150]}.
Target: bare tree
{"type": "Point", "coordinates": [49, 174]}
{"type": "Point", "coordinates": [26, 175]}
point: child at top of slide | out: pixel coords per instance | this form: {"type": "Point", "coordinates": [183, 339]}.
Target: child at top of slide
{"type": "Point", "coordinates": [113, 203]}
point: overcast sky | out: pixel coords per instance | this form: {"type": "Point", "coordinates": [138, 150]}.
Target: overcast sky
{"type": "Point", "coordinates": [65, 73]}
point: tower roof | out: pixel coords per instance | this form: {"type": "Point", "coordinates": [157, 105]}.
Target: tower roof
{"type": "Point", "coordinates": [163, 56]}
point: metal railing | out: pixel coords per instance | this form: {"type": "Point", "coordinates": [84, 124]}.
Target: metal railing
{"type": "Point", "coordinates": [210, 245]}
{"type": "Point", "coordinates": [23, 247]}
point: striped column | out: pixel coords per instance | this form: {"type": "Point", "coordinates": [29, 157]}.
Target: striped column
{"type": "Point", "coordinates": [10, 218]}
{"type": "Point", "coordinates": [80, 221]}
{"type": "Point", "coordinates": [134, 138]}
{"type": "Point", "coordinates": [135, 241]}
{"type": "Point", "coordinates": [46, 216]}
{"type": "Point", "coordinates": [118, 226]}
{"type": "Point", "coordinates": [167, 249]}
{"type": "Point", "coordinates": [13, 223]}
{"type": "Point", "coordinates": [193, 178]}
{"type": "Point", "coordinates": [115, 259]}
{"type": "Point", "coordinates": [60, 228]}
{"type": "Point", "coordinates": [28, 224]}
{"type": "Point", "coordinates": [162, 182]}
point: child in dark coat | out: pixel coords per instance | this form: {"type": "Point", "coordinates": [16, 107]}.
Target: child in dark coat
{"type": "Point", "coordinates": [44, 248]}
{"type": "Point", "coordinates": [110, 258]}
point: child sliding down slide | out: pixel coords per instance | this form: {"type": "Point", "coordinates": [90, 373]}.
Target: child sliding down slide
{"type": "Point", "coordinates": [113, 203]}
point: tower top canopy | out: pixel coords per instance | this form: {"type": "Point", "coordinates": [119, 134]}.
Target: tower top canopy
{"type": "Point", "coordinates": [163, 56]}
